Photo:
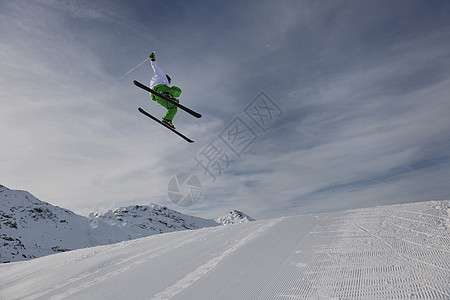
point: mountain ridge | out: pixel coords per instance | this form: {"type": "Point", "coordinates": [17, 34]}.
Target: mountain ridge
{"type": "Point", "coordinates": [32, 228]}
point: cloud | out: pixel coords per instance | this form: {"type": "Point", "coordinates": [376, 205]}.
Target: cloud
{"type": "Point", "coordinates": [363, 89]}
{"type": "Point", "coordinates": [368, 133]}
{"type": "Point", "coordinates": [63, 135]}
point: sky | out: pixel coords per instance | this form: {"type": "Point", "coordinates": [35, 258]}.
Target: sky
{"type": "Point", "coordinates": [308, 106]}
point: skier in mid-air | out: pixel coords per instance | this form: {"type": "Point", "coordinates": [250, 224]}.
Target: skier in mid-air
{"type": "Point", "coordinates": [160, 83]}
{"type": "Point", "coordinates": [165, 95]}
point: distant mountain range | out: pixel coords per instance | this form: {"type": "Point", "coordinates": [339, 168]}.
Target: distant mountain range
{"type": "Point", "coordinates": [31, 228]}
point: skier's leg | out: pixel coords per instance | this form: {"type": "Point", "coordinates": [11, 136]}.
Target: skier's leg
{"type": "Point", "coordinates": [171, 109]}
{"type": "Point", "coordinates": [175, 91]}
{"type": "Point", "coordinates": [171, 112]}
{"type": "Point", "coordinates": [160, 88]}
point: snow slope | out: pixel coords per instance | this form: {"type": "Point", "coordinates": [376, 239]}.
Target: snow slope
{"type": "Point", "coordinates": [392, 252]}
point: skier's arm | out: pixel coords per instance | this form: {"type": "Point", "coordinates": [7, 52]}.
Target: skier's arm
{"type": "Point", "coordinates": [158, 71]}
{"type": "Point", "coordinates": [160, 75]}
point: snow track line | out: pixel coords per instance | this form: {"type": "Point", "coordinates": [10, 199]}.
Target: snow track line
{"type": "Point", "coordinates": [410, 220]}
{"type": "Point", "coordinates": [420, 232]}
{"type": "Point", "coordinates": [400, 254]}
{"type": "Point", "coordinates": [200, 271]}
{"type": "Point", "coordinates": [424, 214]}
{"type": "Point", "coordinates": [406, 258]}
{"type": "Point", "coordinates": [418, 244]}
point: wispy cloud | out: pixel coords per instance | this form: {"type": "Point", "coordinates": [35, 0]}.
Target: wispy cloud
{"type": "Point", "coordinates": [63, 136]}
{"type": "Point", "coordinates": [371, 132]}
{"type": "Point", "coordinates": [363, 88]}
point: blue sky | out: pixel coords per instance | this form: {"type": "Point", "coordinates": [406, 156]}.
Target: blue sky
{"type": "Point", "coordinates": [359, 91]}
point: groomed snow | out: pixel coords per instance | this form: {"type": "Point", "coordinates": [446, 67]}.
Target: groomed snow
{"type": "Point", "coordinates": [391, 252]}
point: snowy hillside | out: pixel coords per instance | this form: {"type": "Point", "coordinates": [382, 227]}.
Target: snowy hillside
{"type": "Point", "coordinates": [31, 228]}
{"type": "Point", "coordinates": [392, 252]}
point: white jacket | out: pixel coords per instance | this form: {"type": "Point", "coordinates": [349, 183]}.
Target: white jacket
{"type": "Point", "coordinates": [159, 77]}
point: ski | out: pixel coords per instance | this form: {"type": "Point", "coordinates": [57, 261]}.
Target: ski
{"type": "Point", "coordinates": [168, 127]}
{"type": "Point", "coordinates": [186, 109]}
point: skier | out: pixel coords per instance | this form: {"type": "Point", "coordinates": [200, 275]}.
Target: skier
{"type": "Point", "coordinates": [160, 83]}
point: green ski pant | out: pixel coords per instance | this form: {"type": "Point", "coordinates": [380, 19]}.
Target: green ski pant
{"type": "Point", "coordinates": [171, 109]}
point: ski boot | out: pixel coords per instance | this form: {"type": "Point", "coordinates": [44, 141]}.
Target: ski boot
{"type": "Point", "coordinates": [152, 56]}
{"type": "Point", "coordinates": [168, 123]}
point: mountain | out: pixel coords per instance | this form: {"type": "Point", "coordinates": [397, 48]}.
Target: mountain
{"type": "Point", "coordinates": [31, 228]}
{"type": "Point", "coordinates": [387, 252]}
{"type": "Point", "coordinates": [234, 217]}
{"type": "Point", "coordinates": [142, 220]}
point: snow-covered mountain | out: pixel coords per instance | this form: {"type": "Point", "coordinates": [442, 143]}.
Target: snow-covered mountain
{"type": "Point", "coordinates": [142, 220]}
{"type": "Point", "coordinates": [234, 217]}
{"type": "Point", "coordinates": [31, 228]}
{"type": "Point", "coordinates": [388, 252]}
